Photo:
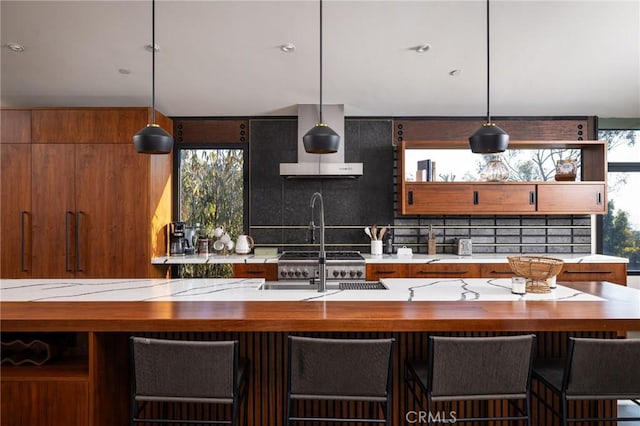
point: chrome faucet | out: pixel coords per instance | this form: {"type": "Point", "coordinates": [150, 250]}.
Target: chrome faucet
{"type": "Point", "coordinates": [322, 257]}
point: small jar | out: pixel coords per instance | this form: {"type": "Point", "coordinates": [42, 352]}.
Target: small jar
{"type": "Point", "coordinates": [518, 285]}
{"type": "Point", "coordinates": [495, 170]}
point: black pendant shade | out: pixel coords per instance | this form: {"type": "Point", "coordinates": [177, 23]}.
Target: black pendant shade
{"type": "Point", "coordinates": [488, 139]}
{"type": "Point", "coordinates": [153, 139]}
{"type": "Point", "coordinates": [321, 139]}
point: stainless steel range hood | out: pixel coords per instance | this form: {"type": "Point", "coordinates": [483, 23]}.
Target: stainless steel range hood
{"type": "Point", "coordinates": [321, 165]}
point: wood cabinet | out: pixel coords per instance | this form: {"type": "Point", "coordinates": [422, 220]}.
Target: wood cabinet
{"type": "Point", "coordinates": [268, 271]}
{"type": "Point", "coordinates": [15, 125]}
{"type": "Point", "coordinates": [443, 270]}
{"type": "Point", "coordinates": [587, 196]}
{"type": "Point", "coordinates": [83, 208]}
{"type": "Point", "coordinates": [211, 131]}
{"type": "Point", "coordinates": [377, 271]}
{"type": "Point", "coordinates": [612, 272]}
{"type": "Point", "coordinates": [15, 219]}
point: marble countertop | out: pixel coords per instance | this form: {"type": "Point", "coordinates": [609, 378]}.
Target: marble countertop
{"type": "Point", "coordinates": [247, 290]}
{"type": "Point", "coordinates": [385, 258]}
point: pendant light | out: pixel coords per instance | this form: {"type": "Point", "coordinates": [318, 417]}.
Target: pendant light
{"type": "Point", "coordinates": [153, 139]}
{"type": "Point", "coordinates": [489, 138]}
{"type": "Point", "coordinates": [321, 139]}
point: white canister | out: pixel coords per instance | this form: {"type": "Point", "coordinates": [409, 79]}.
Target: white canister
{"type": "Point", "coordinates": [551, 282]}
{"type": "Point", "coordinates": [376, 247]}
{"type": "Point", "coordinates": [518, 285]}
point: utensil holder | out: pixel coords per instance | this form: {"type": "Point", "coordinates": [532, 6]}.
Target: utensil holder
{"type": "Point", "coordinates": [376, 247]}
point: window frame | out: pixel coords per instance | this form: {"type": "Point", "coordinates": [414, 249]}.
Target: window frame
{"type": "Point", "coordinates": [175, 202]}
{"type": "Point", "coordinates": [616, 167]}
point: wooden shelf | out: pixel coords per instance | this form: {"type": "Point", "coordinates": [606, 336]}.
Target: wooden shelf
{"type": "Point", "coordinates": [586, 196]}
{"type": "Point", "coordinates": [66, 369]}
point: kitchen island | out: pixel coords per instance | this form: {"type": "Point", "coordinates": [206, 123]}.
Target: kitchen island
{"type": "Point", "coordinates": [92, 374]}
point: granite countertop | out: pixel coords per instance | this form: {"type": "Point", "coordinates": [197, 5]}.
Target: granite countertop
{"type": "Point", "coordinates": [249, 290]}
{"type": "Point", "coordinates": [385, 258]}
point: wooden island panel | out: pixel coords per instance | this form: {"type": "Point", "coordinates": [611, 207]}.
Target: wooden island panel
{"type": "Point", "coordinates": [262, 329]}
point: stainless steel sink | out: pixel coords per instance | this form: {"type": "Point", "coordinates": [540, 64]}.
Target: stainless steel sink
{"type": "Point", "coordinates": [305, 285]}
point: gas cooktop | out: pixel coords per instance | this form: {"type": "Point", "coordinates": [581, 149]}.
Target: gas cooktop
{"type": "Point", "coordinates": [313, 255]}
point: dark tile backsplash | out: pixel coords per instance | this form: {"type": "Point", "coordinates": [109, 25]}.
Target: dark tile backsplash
{"type": "Point", "coordinates": [280, 212]}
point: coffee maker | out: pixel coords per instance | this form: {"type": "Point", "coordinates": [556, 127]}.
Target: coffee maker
{"type": "Point", "coordinates": [178, 244]}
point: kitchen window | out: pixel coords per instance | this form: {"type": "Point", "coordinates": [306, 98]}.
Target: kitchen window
{"type": "Point", "coordinates": [618, 232]}
{"type": "Point", "coordinates": [211, 191]}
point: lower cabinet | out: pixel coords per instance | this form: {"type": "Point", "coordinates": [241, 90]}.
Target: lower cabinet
{"type": "Point", "coordinates": [65, 402]}
{"type": "Point", "coordinates": [268, 271]}
{"type": "Point", "coordinates": [612, 272]}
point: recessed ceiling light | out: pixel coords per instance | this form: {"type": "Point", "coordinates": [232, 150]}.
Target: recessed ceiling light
{"type": "Point", "coordinates": [422, 48]}
{"type": "Point", "coordinates": [15, 47]}
{"type": "Point", "coordinates": [455, 72]}
{"type": "Point", "coordinates": [124, 71]}
{"type": "Point", "coordinates": [288, 47]}
{"type": "Point", "coordinates": [149, 48]}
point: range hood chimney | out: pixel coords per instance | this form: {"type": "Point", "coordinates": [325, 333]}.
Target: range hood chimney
{"type": "Point", "coordinates": [321, 165]}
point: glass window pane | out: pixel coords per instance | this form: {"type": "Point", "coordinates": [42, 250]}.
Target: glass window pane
{"type": "Point", "coordinates": [621, 225]}
{"type": "Point", "coordinates": [624, 145]}
{"type": "Point", "coordinates": [212, 189]}
{"type": "Point", "coordinates": [459, 165]}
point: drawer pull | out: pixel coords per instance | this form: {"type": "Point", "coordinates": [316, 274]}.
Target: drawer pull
{"type": "Point", "coordinates": [444, 272]}
{"type": "Point", "coordinates": [532, 197]}
{"type": "Point", "coordinates": [476, 198]}
{"type": "Point", "coordinates": [599, 198]}
{"type": "Point", "coordinates": [410, 198]}
{"type": "Point", "coordinates": [385, 272]}
{"type": "Point", "coordinates": [502, 272]}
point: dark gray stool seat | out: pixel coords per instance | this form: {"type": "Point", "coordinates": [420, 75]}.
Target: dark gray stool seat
{"type": "Point", "coordinates": [595, 369]}
{"type": "Point", "coordinates": [182, 371]}
{"type": "Point", "coordinates": [473, 369]}
{"type": "Point", "coordinates": [340, 370]}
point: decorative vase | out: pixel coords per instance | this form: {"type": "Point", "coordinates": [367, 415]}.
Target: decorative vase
{"type": "Point", "coordinates": [495, 170]}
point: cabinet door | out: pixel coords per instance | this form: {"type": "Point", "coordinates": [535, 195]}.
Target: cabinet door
{"type": "Point", "coordinates": [53, 211]}
{"type": "Point", "coordinates": [612, 272]}
{"type": "Point", "coordinates": [377, 271]}
{"type": "Point", "coordinates": [427, 198]}
{"type": "Point", "coordinates": [15, 126]}
{"type": "Point", "coordinates": [495, 270]}
{"type": "Point", "coordinates": [45, 403]}
{"type": "Point", "coordinates": [268, 271]}
{"type": "Point", "coordinates": [112, 202]}
{"type": "Point", "coordinates": [572, 198]}
{"type": "Point", "coordinates": [15, 189]}
{"type": "Point", "coordinates": [500, 198]}
{"type": "Point", "coordinates": [443, 270]}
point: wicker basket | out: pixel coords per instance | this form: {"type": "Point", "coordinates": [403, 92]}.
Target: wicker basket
{"type": "Point", "coordinates": [536, 269]}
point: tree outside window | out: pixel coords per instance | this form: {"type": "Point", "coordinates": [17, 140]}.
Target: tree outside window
{"type": "Point", "coordinates": [620, 229]}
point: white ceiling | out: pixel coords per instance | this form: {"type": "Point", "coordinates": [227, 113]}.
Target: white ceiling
{"type": "Point", "coordinates": [222, 58]}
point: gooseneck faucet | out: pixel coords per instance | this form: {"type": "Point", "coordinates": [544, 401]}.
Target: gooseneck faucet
{"type": "Point", "coordinates": [322, 257]}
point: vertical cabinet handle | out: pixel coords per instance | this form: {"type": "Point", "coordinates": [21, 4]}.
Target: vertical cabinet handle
{"type": "Point", "coordinates": [23, 244]}
{"type": "Point", "coordinates": [78, 246]}
{"type": "Point", "coordinates": [410, 197]}
{"type": "Point", "coordinates": [532, 197]}
{"type": "Point", "coordinates": [476, 198]}
{"type": "Point", "coordinates": [599, 198]}
{"type": "Point", "coordinates": [67, 240]}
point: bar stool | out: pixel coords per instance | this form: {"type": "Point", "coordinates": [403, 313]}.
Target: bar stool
{"type": "Point", "coordinates": [180, 371]}
{"type": "Point", "coordinates": [340, 370]}
{"type": "Point", "coordinates": [595, 369]}
{"type": "Point", "coordinates": [471, 369]}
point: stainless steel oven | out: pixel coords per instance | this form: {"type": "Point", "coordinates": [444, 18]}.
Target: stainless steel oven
{"type": "Point", "coordinates": [303, 265]}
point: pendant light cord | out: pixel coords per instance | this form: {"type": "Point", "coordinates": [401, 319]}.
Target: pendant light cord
{"type": "Point", "coordinates": [153, 61]}
{"type": "Point", "coordinates": [321, 62]}
{"type": "Point", "coordinates": [488, 79]}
